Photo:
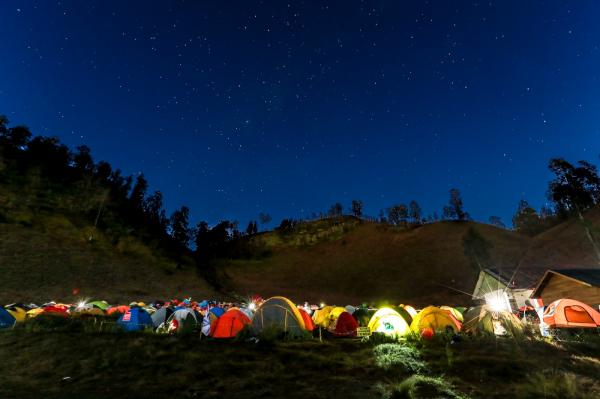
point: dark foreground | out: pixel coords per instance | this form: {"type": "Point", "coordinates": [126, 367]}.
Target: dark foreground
{"type": "Point", "coordinates": [111, 365]}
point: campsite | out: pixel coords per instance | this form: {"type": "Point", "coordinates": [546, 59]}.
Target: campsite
{"type": "Point", "coordinates": [372, 199]}
{"type": "Point", "coordinates": [274, 347]}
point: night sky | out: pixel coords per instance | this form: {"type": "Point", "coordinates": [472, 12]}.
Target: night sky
{"type": "Point", "coordinates": [235, 108]}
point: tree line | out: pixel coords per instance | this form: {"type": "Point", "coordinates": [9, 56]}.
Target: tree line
{"type": "Point", "coordinates": [122, 204]}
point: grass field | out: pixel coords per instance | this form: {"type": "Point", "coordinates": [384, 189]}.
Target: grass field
{"type": "Point", "coordinates": [76, 364]}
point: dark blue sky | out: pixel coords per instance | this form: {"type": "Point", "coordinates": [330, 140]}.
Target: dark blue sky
{"type": "Point", "coordinates": [234, 108]}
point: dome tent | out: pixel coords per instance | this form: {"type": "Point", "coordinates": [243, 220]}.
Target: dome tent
{"type": "Point", "coordinates": [344, 325]}
{"type": "Point", "coordinates": [6, 319]}
{"type": "Point", "coordinates": [569, 313]}
{"type": "Point", "coordinates": [308, 322]}
{"type": "Point", "coordinates": [435, 319]}
{"type": "Point", "coordinates": [278, 313]}
{"type": "Point", "coordinates": [135, 319]}
{"type": "Point", "coordinates": [183, 320]}
{"type": "Point", "coordinates": [161, 316]}
{"type": "Point", "coordinates": [230, 324]}
{"type": "Point", "coordinates": [481, 320]}
{"type": "Point", "coordinates": [388, 322]}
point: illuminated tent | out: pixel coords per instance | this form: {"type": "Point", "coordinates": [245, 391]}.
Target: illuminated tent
{"type": "Point", "coordinates": [32, 313]}
{"type": "Point", "coordinates": [343, 326]}
{"type": "Point", "coordinates": [436, 319]}
{"type": "Point", "coordinates": [135, 319]}
{"type": "Point", "coordinates": [308, 322]}
{"type": "Point", "coordinates": [569, 313]}
{"type": "Point", "coordinates": [230, 324]}
{"type": "Point", "coordinates": [6, 319]}
{"type": "Point", "coordinates": [404, 313]}
{"type": "Point", "coordinates": [454, 312]}
{"type": "Point", "coordinates": [482, 320]}
{"type": "Point", "coordinates": [411, 310]}
{"type": "Point", "coordinates": [278, 313]}
{"type": "Point", "coordinates": [388, 322]}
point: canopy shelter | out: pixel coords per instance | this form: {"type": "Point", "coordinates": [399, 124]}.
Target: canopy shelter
{"type": "Point", "coordinates": [388, 322]}
{"type": "Point", "coordinates": [278, 313]}
{"type": "Point", "coordinates": [435, 319]}
{"type": "Point", "coordinates": [569, 313]}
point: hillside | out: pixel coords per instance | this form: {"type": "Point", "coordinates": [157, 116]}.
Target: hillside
{"type": "Point", "coordinates": [376, 263]}
{"type": "Point", "coordinates": [47, 260]}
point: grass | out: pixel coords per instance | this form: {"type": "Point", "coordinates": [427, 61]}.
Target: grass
{"type": "Point", "coordinates": [71, 359]}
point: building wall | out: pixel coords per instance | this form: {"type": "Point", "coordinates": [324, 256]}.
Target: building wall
{"type": "Point", "coordinates": [558, 287]}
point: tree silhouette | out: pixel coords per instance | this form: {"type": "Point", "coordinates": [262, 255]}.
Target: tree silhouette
{"type": "Point", "coordinates": [180, 230]}
{"type": "Point", "coordinates": [454, 210]}
{"type": "Point", "coordinates": [398, 214]}
{"type": "Point", "coordinates": [357, 208]}
{"type": "Point", "coordinates": [414, 212]}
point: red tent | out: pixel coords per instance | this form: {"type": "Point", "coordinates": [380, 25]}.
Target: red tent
{"type": "Point", "coordinates": [229, 324]}
{"type": "Point", "coordinates": [308, 323]}
{"type": "Point", "coordinates": [117, 309]}
{"type": "Point", "coordinates": [345, 326]}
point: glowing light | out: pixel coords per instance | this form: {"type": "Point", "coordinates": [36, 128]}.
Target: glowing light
{"type": "Point", "coordinates": [322, 304]}
{"type": "Point", "coordinates": [81, 304]}
{"type": "Point", "coordinates": [497, 301]}
{"type": "Point", "coordinates": [252, 306]}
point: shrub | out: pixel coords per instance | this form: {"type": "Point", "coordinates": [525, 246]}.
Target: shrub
{"type": "Point", "coordinates": [405, 357]}
{"type": "Point", "coordinates": [421, 387]}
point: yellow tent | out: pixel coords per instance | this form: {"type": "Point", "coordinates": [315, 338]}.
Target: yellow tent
{"type": "Point", "coordinates": [320, 317]}
{"type": "Point", "coordinates": [389, 322]}
{"type": "Point", "coordinates": [279, 313]}
{"type": "Point", "coordinates": [17, 312]}
{"type": "Point", "coordinates": [411, 311]}
{"type": "Point", "coordinates": [436, 319]}
{"type": "Point", "coordinates": [457, 315]}
{"type": "Point", "coordinates": [34, 312]}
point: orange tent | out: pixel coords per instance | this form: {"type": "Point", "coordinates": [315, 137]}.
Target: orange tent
{"type": "Point", "coordinates": [117, 309]}
{"type": "Point", "coordinates": [569, 313]}
{"type": "Point", "coordinates": [231, 323]}
{"type": "Point", "coordinates": [308, 323]}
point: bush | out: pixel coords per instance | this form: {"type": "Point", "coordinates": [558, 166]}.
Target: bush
{"type": "Point", "coordinates": [421, 387]}
{"type": "Point", "coordinates": [551, 384]}
{"type": "Point", "coordinates": [405, 357]}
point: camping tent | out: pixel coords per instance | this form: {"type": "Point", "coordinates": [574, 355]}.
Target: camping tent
{"type": "Point", "coordinates": [482, 320]}
{"type": "Point", "coordinates": [454, 312]}
{"type": "Point", "coordinates": [362, 316]}
{"type": "Point", "coordinates": [569, 313]}
{"type": "Point", "coordinates": [404, 313]}
{"type": "Point", "coordinates": [6, 319]}
{"type": "Point", "coordinates": [99, 304]}
{"type": "Point", "coordinates": [117, 309]}
{"type": "Point", "coordinates": [435, 319]}
{"type": "Point", "coordinates": [183, 320]}
{"type": "Point", "coordinates": [230, 324]}
{"type": "Point", "coordinates": [161, 315]}
{"type": "Point", "coordinates": [344, 325]}
{"type": "Point", "coordinates": [388, 322]}
{"type": "Point", "coordinates": [18, 312]}
{"type": "Point", "coordinates": [320, 316]}
{"type": "Point", "coordinates": [135, 319]}
{"type": "Point", "coordinates": [278, 313]}
{"type": "Point", "coordinates": [308, 323]}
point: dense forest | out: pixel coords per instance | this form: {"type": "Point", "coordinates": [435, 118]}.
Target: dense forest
{"type": "Point", "coordinates": [51, 177]}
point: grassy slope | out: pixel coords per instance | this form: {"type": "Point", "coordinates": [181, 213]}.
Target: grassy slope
{"type": "Point", "coordinates": [48, 259]}
{"type": "Point", "coordinates": [101, 365]}
{"type": "Point", "coordinates": [374, 263]}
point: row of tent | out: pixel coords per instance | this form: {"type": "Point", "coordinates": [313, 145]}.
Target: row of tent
{"type": "Point", "coordinates": [281, 314]}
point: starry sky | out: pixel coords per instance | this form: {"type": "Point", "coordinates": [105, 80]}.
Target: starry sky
{"type": "Point", "coordinates": [240, 107]}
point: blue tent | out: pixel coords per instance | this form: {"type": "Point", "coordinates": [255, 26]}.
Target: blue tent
{"type": "Point", "coordinates": [6, 319]}
{"type": "Point", "coordinates": [136, 319]}
{"type": "Point", "coordinates": [217, 311]}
